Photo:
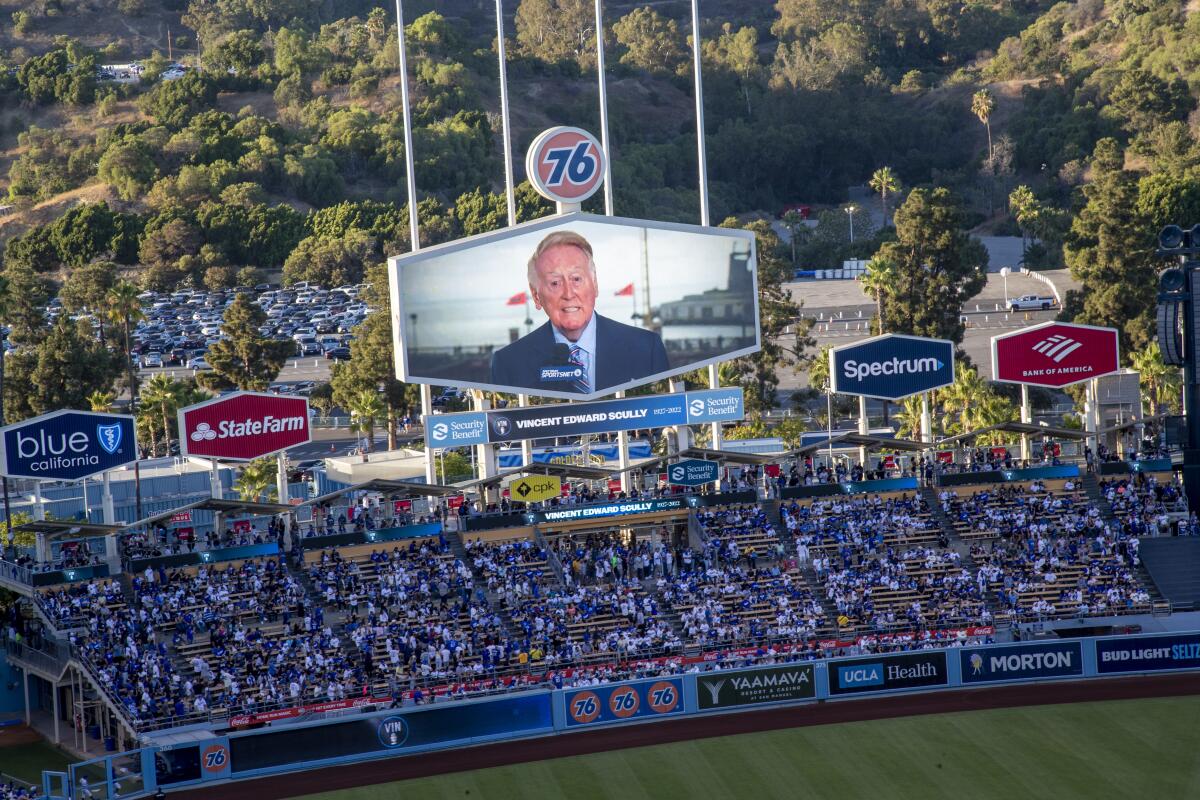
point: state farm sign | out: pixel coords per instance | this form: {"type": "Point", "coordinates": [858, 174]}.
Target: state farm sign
{"type": "Point", "coordinates": [1055, 354]}
{"type": "Point", "coordinates": [244, 426]}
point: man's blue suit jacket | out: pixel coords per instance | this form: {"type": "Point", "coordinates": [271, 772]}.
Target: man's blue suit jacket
{"type": "Point", "coordinates": [623, 354]}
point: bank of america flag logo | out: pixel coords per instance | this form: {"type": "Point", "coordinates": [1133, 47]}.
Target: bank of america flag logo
{"type": "Point", "coordinates": [1057, 347]}
{"type": "Point", "coordinates": [110, 437]}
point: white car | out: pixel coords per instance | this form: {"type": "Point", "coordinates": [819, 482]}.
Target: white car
{"type": "Point", "coordinates": [152, 361]}
{"type": "Point", "coordinates": [199, 362]}
{"type": "Point", "coordinates": [1031, 302]}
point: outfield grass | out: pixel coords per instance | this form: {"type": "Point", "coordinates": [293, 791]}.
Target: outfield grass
{"type": "Point", "coordinates": [1117, 749]}
{"type": "Point", "coordinates": [26, 761]}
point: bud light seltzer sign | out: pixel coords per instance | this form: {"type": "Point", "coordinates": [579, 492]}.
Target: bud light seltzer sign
{"type": "Point", "coordinates": [68, 445]}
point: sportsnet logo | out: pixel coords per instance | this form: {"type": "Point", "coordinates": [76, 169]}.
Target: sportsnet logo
{"type": "Point", "coordinates": [561, 373]}
{"type": "Point", "coordinates": [1057, 347]}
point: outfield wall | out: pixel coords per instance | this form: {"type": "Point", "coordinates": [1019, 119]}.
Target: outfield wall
{"type": "Point", "coordinates": [200, 760]}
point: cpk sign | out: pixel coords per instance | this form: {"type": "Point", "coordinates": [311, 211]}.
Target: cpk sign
{"type": "Point", "coordinates": [1055, 354]}
{"type": "Point", "coordinates": [244, 426]}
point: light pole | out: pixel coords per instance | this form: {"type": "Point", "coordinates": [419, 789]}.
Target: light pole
{"type": "Point", "coordinates": [1004, 274]}
{"type": "Point", "coordinates": [850, 209]}
{"type": "Point", "coordinates": [1178, 309]}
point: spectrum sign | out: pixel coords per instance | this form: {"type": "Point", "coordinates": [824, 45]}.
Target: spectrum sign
{"type": "Point", "coordinates": [244, 426]}
{"type": "Point", "coordinates": [892, 366]}
{"type": "Point", "coordinates": [1055, 354]}
{"type": "Point", "coordinates": [68, 445]}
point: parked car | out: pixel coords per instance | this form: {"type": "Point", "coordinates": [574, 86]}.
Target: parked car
{"type": "Point", "coordinates": [1031, 302]}
{"type": "Point", "coordinates": [338, 353]}
{"type": "Point", "coordinates": [152, 361]}
{"type": "Point", "coordinates": [199, 362]}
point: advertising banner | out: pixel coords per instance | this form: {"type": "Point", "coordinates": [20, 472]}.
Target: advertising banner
{"type": "Point", "coordinates": [571, 306]}
{"type": "Point", "coordinates": [578, 419]}
{"type": "Point", "coordinates": [892, 366]}
{"type": "Point", "coordinates": [533, 488]}
{"type": "Point", "coordinates": [597, 454]}
{"type": "Point", "coordinates": [67, 445]}
{"type": "Point", "coordinates": [754, 686]}
{"type": "Point", "coordinates": [654, 698]}
{"type": "Point", "coordinates": [692, 472]}
{"type": "Point", "coordinates": [1021, 662]}
{"type": "Point", "coordinates": [569, 514]}
{"type": "Point", "coordinates": [392, 732]}
{"type": "Point", "coordinates": [1055, 354]}
{"type": "Point", "coordinates": [1148, 653]}
{"type": "Point", "coordinates": [243, 426]}
{"type": "Point", "coordinates": [886, 672]}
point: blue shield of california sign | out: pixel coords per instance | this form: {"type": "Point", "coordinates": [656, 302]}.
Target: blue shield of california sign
{"type": "Point", "coordinates": [892, 366]}
{"type": "Point", "coordinates": [67, 445]}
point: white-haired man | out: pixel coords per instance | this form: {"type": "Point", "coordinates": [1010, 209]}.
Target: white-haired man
{"type": "Point", "coordinates": [577, 350]}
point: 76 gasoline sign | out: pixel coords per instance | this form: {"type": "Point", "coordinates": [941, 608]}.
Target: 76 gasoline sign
{"type": "Point", "coordinates": [565, 164]}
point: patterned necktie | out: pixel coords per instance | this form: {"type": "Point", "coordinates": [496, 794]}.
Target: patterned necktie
{"type": "Point", "coordinates": [577, 359]}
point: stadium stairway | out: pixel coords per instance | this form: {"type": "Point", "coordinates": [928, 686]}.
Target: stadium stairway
{"type": "Point", "coordinates": [1091, 487]}
{"type": "Point", "coordinates": [1172, 567]}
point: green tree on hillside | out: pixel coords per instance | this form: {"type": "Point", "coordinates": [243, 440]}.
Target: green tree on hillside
{"type": "Point", "coordinates": [938, 267]}
{"type": "Point", "coordinates": [556, 30]}
{"type": "Point", "coordinates": [651, 41]}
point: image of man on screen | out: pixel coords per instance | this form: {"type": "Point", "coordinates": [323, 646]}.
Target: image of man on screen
{"type": "Point", "coordinates": [577, 350]}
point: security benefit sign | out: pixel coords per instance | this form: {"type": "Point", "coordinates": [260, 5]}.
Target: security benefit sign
{"type": "Point", "coordinates": [751, 687]}
{"type": "Point", "coordinates": [892, 366]}
{"type": "Point", "coordinates": [1021, 662]}
{"type": "Point", "coordinates": [578, 419]}
{"type": "Point", "coordinates": [887, 672]}
{"type": "Point", "coordinates": [692, 472]}
{"type": "Point", "coordinates": [626, 701]}
{"type": "Point", "coordinates": [1055, 354]}
{"type": "Point", "coordinates": [68, 445]}
{"type": "Point", "coordinates": [1148, 653]}
{"type": "Point", "coordinates": [533, 488]}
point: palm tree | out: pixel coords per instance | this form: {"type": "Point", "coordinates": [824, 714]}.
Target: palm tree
{"type": "Point", "coordinates": [163, 396]}
{"type": "Point", "coordinates": [909, 418]}
{"type": "Point", "coordinates": [983, 103]}
{"type": "Point", "coordinates": [884, 182]}
{"type": "Point", "coordinates": [818, 370]}
{"type": "Point", "coordinates": [365, 410]}
{"type": "Point", "coordinates": [1025, 209]}
{"type": "Point", "coordinates": [256, 479]}
{"type": "Point", "coordinates": [125, 309]}
{"type": "Point", "coordinates": [967, 392]}
{"type": "Point", "coordinates": [793, 222]}
{"type": "Point", "coordinates": [1156, 377]}
{"type": "Point", "coordinates": [879, 278]}
{"type": "Point", "coordinates": [101, 402]}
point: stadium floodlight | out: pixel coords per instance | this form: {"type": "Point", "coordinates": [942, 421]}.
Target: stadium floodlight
{"type": "Point", "coordinates": [1171, 237]}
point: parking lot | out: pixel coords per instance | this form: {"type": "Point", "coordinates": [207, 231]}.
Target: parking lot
{"type": "Point", "coordinates": [181, 326]}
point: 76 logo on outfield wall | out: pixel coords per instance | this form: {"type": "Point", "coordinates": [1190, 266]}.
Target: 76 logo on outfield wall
{"type": "Point", "coordinates": [214, 758]}
{"type": "Point", "coordinates": [565, 164]}
{"type": "Point", "coordinates": [624, 702]}
{"type": "Point", "coordinates": [664, 697]}
{"type": "Point", "coordinates": [584, 707]}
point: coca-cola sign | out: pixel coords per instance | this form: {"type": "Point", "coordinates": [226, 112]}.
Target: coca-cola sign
{"type": "Point", "coordinates": [1055, 354]}
{"type": "Point", "coordinates": [244, 426]}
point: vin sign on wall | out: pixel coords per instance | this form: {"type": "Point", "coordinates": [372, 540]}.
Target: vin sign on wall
{"type": "Point", "coordinates": [243, 426]}
{"type": "Point", "coordinates": [68, 445]}
{"type": "Point", "coordinates": [887, 672]}
{"type": "Point", "coordinates": [750, 687]}
{"type": "Point", "coordinates": [892, 366]}
{"type": "Point", "coordinates": [609, 416]}
{"type": "Point", "coordinates": [1055, 354]}
{"type": "Point", "coordinates": [1148, 653]}
{"type": "Point", "coordinates": [1049, 660]}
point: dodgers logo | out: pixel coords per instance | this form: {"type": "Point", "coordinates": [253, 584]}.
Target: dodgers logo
{"type": "Point", "coordinates": [109, 436]}
{"type": "Point", "coordinates": [393, 731]}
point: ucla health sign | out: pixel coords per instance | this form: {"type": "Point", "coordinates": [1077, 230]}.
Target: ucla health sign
{"type": "Point", "coordinates": [885, 673]}
{"type": "Point", "coordinates": [1021, 662]}
{"type": "Point", "coordinates": [578, 419]}
{"type": "Point", "coordinates": [68, 445]}
{"type": "Point", "coordinates": [692, 472]}
{"type": "Point", "coordinates": [892, 366]}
